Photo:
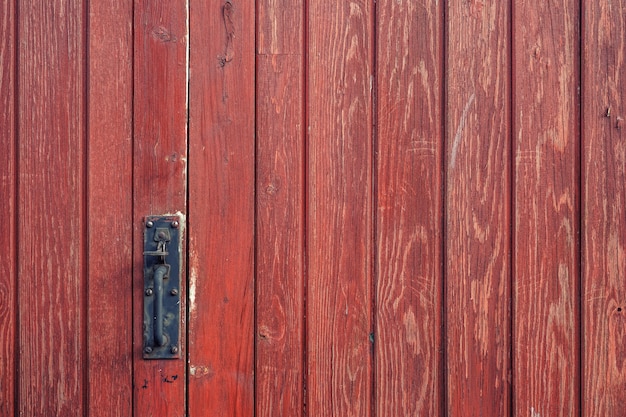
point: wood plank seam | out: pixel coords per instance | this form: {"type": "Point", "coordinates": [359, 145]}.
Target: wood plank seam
{"type": "Point", "coordinates": [16, 206]}
{"type": "Point", "coordinates": [373, 267]}
{"type": "Point", "coordinates": [306, 197]}
{"type": "Point", "coordinates": [512, 214]}
{"type": "Point", "coordinates": [580, 208]}
{"type": "Point", "coordinates": [84, 209]}
{"type": "Point", "coordinates": [443, 402]}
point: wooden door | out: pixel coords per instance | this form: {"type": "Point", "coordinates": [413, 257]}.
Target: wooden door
{"type": "Point", "coordinates": [389, 208]}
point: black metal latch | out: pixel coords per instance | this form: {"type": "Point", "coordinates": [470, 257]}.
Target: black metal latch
{"type": "Point", "coordinates": [161, 284]}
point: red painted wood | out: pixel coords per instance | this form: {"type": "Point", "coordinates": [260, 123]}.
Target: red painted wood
{"type": "Point", "coordinates": [339, 208]}
{"type": "Point", "coordinates": [51, 209]}
{"type": "Point", "coordinates": [409, 377]}
{"type": "Point", "coordinates": [603, 195]}
{"type": "Point", "coordinates": [109, 204]}
{"type": "Point", "coordinates": [546, 228]}
{"type": "Point", "coordinates": [279, 364]}
{"type": "Point", "coordinates": [159, 172]}
{"type": "Point", "coordinates": [345, 224]}
{"type": "Point", "coordinates": [221, 208]}
{"type": "Point", "coordinates": [477, 209]}
{"type": "Point", "coordinates": [8, 277]}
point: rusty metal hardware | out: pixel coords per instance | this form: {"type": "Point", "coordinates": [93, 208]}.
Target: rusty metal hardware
{"type": "Point", "coordinates": [161, 312]}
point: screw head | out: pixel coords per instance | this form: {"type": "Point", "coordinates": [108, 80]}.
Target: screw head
{"type": "Point", "coordinates": [174, 291]}
{"type": "Point", "coordinates": [175, 224]}
{"type": "Point", "coordinates": [174, 349]}
{"type": "Point", "coordinates": [147, 349]}
{"type": "Point", "coordinates": [149, 224]}
{"type": "Point", "coordinates": [149, 292]}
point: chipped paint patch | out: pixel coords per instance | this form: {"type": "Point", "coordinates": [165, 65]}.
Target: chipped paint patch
{"type": "Point", "coordinates": [193, 279]}
{"type": "Point", "coordinates": [201, 371]}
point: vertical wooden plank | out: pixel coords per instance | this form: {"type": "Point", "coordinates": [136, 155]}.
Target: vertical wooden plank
{"type": "Point", "coordinates": [546, 228]}
{"type": "Point", "coordinates": [603, 196]}
{"type": "Point", "coordinates": [51, 221]}
{"type": "Point", "coordinates": [478, 208]}
{"type": "Point", "coordinates": [110, 198]}
{"type": "Point", "coordinates": [8, 277]}
{"type": "Point", "coordinates": [408, 221]}
{"type": "Point", "coordinates": [160, 168]}
{"type": "Point", "coordinates": [221, 208]}
{"type": "Point", "coordinates": [280, 204]}
{"type": "Point", "coordinates": [339, 208]}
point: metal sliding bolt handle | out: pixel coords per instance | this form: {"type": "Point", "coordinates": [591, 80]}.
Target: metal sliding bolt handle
{"type": "Point", "coordinates": [159, 273]}
{"type": "Point", "coordinates": [155, 253]}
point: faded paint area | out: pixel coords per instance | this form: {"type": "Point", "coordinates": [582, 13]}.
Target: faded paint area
{"type": "Point", "coordinates": [459, 131]}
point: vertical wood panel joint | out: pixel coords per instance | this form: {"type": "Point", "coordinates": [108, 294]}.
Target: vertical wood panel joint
{"type": "Point", "coordinates": [84, 216]}
{"type": "Point", "coordinates": [511, 294]}
{"type": "Point", "coordinates": [16, 208]}
{"type": "Point", "coordinates": [187, 244]}
{"type": "Point", "coordinates": [581, 230]}
{"type": "Point", "coordinates": [305, 205]}
{"type": "Point", "coordinates": [444, 210]}
{"type": "Point", "coordinates": [373, 269]}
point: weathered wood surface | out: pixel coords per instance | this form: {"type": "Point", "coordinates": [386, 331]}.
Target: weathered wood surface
{"type": "Point", "coordinates": [8, 181]}
{"type": "Point", "coordinates": [477, 209]}
{"type": "Point", "coordinates": [280, 220]}
{"type": "Point", "coordinates": [51, 218]}
{"type": "Point", "coordinates": [431, 210]}
{"type": "Point", "coordinates": [604, 196]}
{"type": "Point", "coordinates": [409, 83]}
{"type": "Point", "coordinates": [339, 208]}
{"type": "Point", "coordinates": [221, 208]}
{"type": "Point", "coordinates": [109, 205]}
{"type": "Point", "coordinates": [546, 193]}
{"type": "Point", "coordinates": [159, 178]}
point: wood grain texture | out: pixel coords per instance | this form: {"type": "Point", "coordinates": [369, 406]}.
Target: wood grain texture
{"type": "Point", "coordinates": [160, 178]}
{"type": "Point", "coordinates": [546, 225]}
{"type": "Point", "coordinates": [280, 28]}
{"type": "Point", "coordinates": [477, 209]}
{"type": "Point", "coordinates": [339, 208]}
{"type": "Point", "coordinates": [110, 199]}
{"type": "Point", "coordinates": [280, 209]}
{"type": "Point", "coordinates": [408, 226]}
{"type": "Point", "coordinates": [221, 209]}
{"type": "Point", "coordinates": [8, 276]}
{"type": "Point", "coordinates": [51, 218]}
{"type": "Point", "coordinates": [604, 196]}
